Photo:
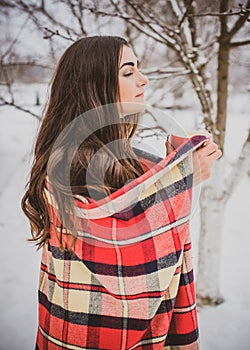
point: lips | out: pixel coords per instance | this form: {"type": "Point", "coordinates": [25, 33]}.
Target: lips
{"type": "Point", "coordinates": [140, 94]}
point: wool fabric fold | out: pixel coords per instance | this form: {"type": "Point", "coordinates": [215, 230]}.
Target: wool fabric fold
{"type": "Point", "coordinates": [129, 283]}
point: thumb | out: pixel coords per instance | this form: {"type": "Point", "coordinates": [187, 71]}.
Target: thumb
{"type": "Point", "coordinates": [169, 147]}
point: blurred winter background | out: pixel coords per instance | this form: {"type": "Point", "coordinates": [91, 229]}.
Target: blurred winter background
{"type": "Point", "coordinates": [196, 55]}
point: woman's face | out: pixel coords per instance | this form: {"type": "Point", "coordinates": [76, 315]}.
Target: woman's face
{"type": "Point", "coordinates": [131, 83]}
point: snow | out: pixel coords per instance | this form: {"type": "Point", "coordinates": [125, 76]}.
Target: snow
{"type": "Point", "coordinates": [19, 260]}
{"type": "Point", "coordinates": [224, 327]}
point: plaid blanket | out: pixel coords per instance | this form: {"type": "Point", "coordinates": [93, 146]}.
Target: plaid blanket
{"type": "Point", "coordinates": [129, 283]}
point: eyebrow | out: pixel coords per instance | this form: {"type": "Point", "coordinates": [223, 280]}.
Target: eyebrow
{"type": "Point", "coordinates": [129, 64]}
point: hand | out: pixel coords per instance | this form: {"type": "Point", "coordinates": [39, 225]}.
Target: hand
{"type": "Point", "coordinates": [203, 160]}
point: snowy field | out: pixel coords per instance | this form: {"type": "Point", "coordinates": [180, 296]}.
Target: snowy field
{"type": "Point", "coordinates": [225, 327]}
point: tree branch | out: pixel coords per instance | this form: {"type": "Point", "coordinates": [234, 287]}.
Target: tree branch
{"type": "Point", "coordinates": [142, 11]}
{"type": "Point", "coordinates": [188, 7]}
{"type": "Point", "coordinates": [28, 63]}
{"type": "Point", "coordinates": [170, 75]}
{"type": "Point", "coordinates": [160, 133]}
{"type": "Point", "coordinates": [140, 23]}
{"type": "Point", "coordinates": [163, 70]}
{"type": "Point", "coordinates": [20, 108]}
{"type": "Point", "coordinates": [244, 15]}
{"type": "Point", "coordinates": [220, 14]}
{"type": "Point", "coordinates": [51, 33]}
{"type": "Point", "coordinates": [7, 4]}
{"type": "Point", "coordinates": [35, 13]}
{"type": "Point", "coordinates": [191, 21]}
{"type": "Point", "coordinates": [236, 44]}
{"type": "Point", "coordinates": [163, 73]}
{"type": "Point", "coordinates": [78, 16]}
{"type": "Point", "coordinates": [14, 41]}
{"type": "Point", "coordinates": [141, 17]}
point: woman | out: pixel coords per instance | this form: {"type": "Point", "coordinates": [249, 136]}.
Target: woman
{"type": "Point", "coordinates": [112, 220]}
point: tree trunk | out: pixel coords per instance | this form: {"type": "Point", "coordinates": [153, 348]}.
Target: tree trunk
{"type": "Point", "coordinates": [222, 77]}
{"type": "Point", "coordinates": [222, 90]}
{"type": "Point", "coordinates": [212, 206]}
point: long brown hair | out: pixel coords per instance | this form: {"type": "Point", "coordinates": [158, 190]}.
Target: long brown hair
{"type": "Point", "coordinates": [85, 79]}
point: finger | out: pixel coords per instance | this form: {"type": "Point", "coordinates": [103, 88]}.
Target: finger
{"type": "Point", "coordinates": [208, 149]}
{"type": "Point", "coordinates": [215, 155]}
{"type": "Point", "coordinates": [169, 147]}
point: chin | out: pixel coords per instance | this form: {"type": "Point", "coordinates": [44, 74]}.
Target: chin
{"type": "Point", "coordinates": [126, 108]}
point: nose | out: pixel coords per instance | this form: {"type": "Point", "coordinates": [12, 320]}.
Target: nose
{"type": "Point", "coordinates": [142, 80]}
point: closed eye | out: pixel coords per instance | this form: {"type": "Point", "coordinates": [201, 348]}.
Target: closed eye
{"type": "Point", "coordinates": [128, 74]}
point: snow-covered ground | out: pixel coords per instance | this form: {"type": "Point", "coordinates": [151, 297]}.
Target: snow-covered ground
{"type": "Point", "coordinates": [225, 327]}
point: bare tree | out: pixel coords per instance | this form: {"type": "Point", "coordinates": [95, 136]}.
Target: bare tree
{"type": "Point", "coordinates": [219, 189]}
{"type": "Point", "coordinates": [226, 43]}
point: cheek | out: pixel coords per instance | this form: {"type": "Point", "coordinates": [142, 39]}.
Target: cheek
{"type": "Point", "coordinates": [124, 88]}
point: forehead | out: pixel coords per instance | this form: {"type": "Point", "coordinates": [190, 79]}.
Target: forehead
{"type": "Point", "coordinates": [127, 55]}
